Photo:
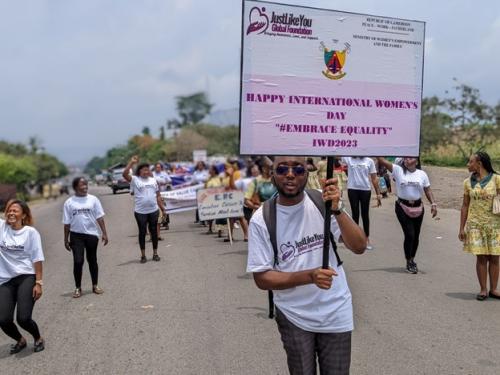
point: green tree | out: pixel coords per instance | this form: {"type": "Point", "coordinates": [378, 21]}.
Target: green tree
{"type": "Point", "coordinates": [193, 108]}
{"type": "Point", "coordinates": [16, 149]}
{"type": "Point", "coordinates": [146, 130]}
{"type": "Point", "coordinates": [17, 170]}
{"type": "Point", "coordinates": [435, 123]}
{"type": "Point", "coordinates": [162, 133]}
{"type": "Point", "coordinates": [474, 125]}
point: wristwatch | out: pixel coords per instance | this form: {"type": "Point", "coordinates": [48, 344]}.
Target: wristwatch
{"type": "Point", "coordinates": [339, 210]}
{"type": "Point", "coordinates": [39, 282]}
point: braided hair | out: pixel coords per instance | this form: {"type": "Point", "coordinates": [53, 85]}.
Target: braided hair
{"type": "Point", "coordinates": [485, 160]}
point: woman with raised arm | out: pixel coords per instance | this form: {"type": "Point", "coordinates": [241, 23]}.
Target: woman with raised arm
{"type": "Point", "coordinates": [148, 204]}
{"type": "Point", "coordinates": [411, 184]}
{"type": "Point", "coordinates": [479, 227]}
{"type": "Point", "coordinates": [21, 258]}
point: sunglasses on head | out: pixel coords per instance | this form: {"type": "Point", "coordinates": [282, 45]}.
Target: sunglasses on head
{"type": "Point", "coordinates": [298, 170]}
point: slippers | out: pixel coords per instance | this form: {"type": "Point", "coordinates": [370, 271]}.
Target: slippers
{"type": "Point", "coordinates": [494, 296]}
{"type": "Point", "coordinates": [481, 297]}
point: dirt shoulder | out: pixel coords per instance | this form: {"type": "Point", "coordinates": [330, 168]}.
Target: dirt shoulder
{"type": "Point", "coordinates": [447, 185]}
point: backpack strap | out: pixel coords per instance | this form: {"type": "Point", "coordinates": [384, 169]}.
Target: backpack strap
{"type": "Point", "coordinates": [317, 199]}
{"type": "Point", "coordinates": [269, 214]}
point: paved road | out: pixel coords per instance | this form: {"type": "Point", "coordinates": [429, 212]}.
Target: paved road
{"type": "Point", "coordinates": [197, 312]}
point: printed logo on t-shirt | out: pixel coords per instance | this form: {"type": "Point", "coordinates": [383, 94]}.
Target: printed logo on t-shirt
{"type": "Point", "coordinates": [5, 247]}
{"type": "Point", "coordinates": [307, 244]}
{"type": "Point", "coordinates": [82, 211]}
{"type": "Point", "coordinates": [410, 183]}
{"type": "Point", "coordinates": [360, 166]}
{"type": "Point", "coordinates": [143, 186]}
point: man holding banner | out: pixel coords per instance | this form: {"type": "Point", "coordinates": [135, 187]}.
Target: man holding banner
{"type": "Point", "coordinates": [314, 307]}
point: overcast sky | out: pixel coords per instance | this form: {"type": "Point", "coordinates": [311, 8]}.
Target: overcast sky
{"type": "Point", "coordinates": [84, 75]}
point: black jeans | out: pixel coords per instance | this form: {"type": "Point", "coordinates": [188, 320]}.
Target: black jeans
{"type": "Point", "coordinates": [411, 229]}
{"type": "Point", "coordinates": [80, 244]}
{"type": "Point", "coordinates": [149, 221]}
{"type": "Point", "coordinates": [18, 291]}
{"type": "Point", "coordinates": [361, 198]}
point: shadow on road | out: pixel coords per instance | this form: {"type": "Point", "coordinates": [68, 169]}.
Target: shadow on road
{"type": "Point", "coordinates": [463, 296]}
{"type": "Point", "coordinates": [5, 352]}
{"type": "Point", "coordinates": [117, 193]}
{"type": "Point", "coordinates": [133, 261]}
{"type": "Point", "coordinates": [261, 314]}
{"type": "Point", "coordinates": [388, 269]}
{"type": "Point", "coordinates": [245, 276]}
{"type": "Point", "coordinates": [241, 252]}
{"type": "Point", "coordinates": [70, 294]}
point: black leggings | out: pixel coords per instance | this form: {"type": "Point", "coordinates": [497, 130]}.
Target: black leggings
{"type": "Point", "coordinates": [147, 221]}
{"type": "Point", "coordinates": [357, 198]}
{"type": "Point", "coordinates": [18, 291]}
{"type": "Point", "coordinates": [411, 229]}
{"type": "Point", "coordinates": [80, 244]}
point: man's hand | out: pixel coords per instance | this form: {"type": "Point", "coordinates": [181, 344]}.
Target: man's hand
{"type": "Point", "coordinates": [104, 239]}
{"type": "Point", "coordinates": [134, 159]}
{"type": "Point", "coordinates": [323, 278]}
{"type": "Point", "coordinates": [331, 191]}
{"type": "Point", "coordinates": [66, 245]}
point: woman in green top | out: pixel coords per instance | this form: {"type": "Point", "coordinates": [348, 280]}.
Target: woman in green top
{"type": "Point", "coordinates": [261, 189]}
{"type": "Point", "coordinates": [479, 227]}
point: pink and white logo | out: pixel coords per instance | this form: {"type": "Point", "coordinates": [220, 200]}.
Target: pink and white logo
{"type": "Point", "coordinates": [259, 22]}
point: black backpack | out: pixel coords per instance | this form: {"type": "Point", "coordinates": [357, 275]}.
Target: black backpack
{"type": "Point", "coordinates": [269, 214]}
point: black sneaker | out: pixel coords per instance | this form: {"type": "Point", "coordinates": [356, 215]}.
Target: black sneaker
{"type": "Point", "coordinates": [411, 268]}
{"type": "Point", "coordinates": [143, 259]}
{"type": "Point", "coordinates": [414, 266]}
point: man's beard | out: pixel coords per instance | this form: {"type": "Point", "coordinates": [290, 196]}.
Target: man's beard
{"type": "Point", "coordinates": [300, 190]}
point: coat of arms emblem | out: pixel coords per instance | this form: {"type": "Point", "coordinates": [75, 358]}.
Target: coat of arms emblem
{"type": "Point", "coordinates": [335, 61]}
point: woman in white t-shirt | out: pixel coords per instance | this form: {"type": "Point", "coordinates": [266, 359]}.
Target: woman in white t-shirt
{"type": "Point", "coordinates": [83, 219]}
{"type": "Point", "coordinates": [200, 176]}
{"type": "Point", "coordinates": [148, 204]}
{"type": "Point", "coordinates": [411, 184]}
{"type": "Point", "coordinates": [21, 258]}
{"type": "Point", "coordinates": [360, 173]}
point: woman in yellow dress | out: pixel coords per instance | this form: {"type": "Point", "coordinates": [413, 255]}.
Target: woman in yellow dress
{"type": "Point", "coordinates": [479, 227]}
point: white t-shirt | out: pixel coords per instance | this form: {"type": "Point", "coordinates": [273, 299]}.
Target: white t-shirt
{"type": "Point", "coordinates": [81, 213]}
{"type": "Point", "coordinates": [359, 170]}
{"type": "Point", "coordinates": [410, 185]}
{"type": "Point", "coordinates": [19, 250]}
{"type": "Point", "coordinates": [299, 235]}
{"type": "Point", "coordinates": [145, 190]}
{"type": "Point", "coordinates": [243, 183]}
{"type": "Point", "coordinates": [163, 179]}
{"type": "Point", "coordinates": [200, 177]}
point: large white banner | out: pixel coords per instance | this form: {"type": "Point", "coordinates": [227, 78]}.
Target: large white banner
{"type": "Point", "coordinates": [179, 200]}
{"type": "Point", "coordinates": [219, 203]}
{"type": "Point", "coordinates": [324, 82]}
